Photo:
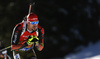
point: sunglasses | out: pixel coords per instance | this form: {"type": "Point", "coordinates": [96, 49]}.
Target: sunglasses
{"type": "Point", "coordinates": [34, 22]}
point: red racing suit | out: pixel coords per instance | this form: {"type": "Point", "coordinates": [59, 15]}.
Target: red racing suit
{"type": "Point", "coordinates": [19, 36]}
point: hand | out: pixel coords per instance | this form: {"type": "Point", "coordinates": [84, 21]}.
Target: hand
{"type": "Point", "coordinates": [35, 39]}
{"type": "Point", "coordinates": [29, 41]}
{"type": "Point", "coordinates": [32, 39]}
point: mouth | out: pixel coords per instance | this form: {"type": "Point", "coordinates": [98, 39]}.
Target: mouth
{"type": "Point", "coordinates": [34, 26]}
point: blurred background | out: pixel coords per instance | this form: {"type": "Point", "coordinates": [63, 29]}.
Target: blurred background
{"type": "Point", "coordinates": [68, 24]}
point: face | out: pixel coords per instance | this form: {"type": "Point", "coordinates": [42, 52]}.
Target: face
{"type": "Point", "coordinates": [32, 25]}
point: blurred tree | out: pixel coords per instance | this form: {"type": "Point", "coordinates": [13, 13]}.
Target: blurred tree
{"type": "Point", "coordinates": [67, 23]}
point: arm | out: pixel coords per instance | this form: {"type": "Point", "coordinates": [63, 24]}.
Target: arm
{"type": "Point", "coordinates": [40, 44]}
{"type": "Point", "coordinates": [15, 37]}
{"type": "Point", "coordinates": [15, 47]}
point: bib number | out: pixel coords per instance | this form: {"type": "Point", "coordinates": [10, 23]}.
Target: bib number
{"type": "Point", "coordinates": [17, 56]}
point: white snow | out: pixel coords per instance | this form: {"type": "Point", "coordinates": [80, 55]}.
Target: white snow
{"type": "Point", "coordinates": [90, 52]}
{"type": "Point", "coordinates": [94, 57]}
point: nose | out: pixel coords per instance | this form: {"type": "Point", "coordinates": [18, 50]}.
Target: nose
{"type": "Point", "coordinates": [35, 24]}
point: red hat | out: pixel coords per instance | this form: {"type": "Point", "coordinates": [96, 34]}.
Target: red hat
{"type": "Point", "coordinates": [32, 17]}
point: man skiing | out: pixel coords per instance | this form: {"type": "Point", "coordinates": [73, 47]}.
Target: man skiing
{"type": "Point", "coordinates": [25, 36]}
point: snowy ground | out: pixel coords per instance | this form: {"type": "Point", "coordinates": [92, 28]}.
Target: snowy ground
{"type": "Point", "coordinates": [90, 52]}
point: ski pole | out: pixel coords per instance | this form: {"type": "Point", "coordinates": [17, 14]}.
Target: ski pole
{"type": "Point", "coordinates": [10, 46]}
{"type": "Point", "coordinates": [18, 43]}
{"type": "Point", "coordinates": [5, 48]}
{"type": "Point", "coordinates": [31, 4]}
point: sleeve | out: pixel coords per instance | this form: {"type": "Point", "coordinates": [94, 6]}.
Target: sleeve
{"type": "Point", "coordinates": [41, 35]}
{"type": "Point", "coordinates": [16, 34]}
{"type": "Point", "coordinates": [41, 39]}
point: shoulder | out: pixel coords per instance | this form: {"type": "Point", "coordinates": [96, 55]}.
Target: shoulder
{"type": "Point", "coordinates": [19, 26]}
{"type": "Point", "coordinates": [39, 27]}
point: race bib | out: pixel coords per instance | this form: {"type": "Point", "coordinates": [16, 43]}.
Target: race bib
{"type": "Point", "coordinates": [17, 56]}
